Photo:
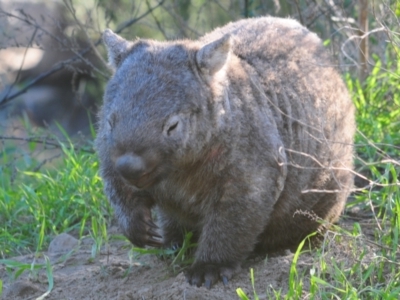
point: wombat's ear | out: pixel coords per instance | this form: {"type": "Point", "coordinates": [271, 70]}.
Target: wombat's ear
{"type": "Point", "coordinates": [116, 47]}
{"type": "Point", "coordinates": [213, 56]}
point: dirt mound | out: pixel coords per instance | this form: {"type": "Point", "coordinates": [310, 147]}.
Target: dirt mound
{"type": "Point", "coordinates": [115, 274]}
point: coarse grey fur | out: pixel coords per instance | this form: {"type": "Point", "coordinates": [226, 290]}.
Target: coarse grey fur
{"type": "Point", "coordinates": [243, 137]}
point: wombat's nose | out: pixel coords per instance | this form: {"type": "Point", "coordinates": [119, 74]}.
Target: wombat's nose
{"type": "Point", "coordinates": [130, 167]}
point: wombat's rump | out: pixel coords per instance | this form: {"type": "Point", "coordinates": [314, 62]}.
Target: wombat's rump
{"type": "Point", "coordinates": [243, 137]}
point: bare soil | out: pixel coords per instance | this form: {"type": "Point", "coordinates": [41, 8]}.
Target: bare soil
{"type": "Point", "coordinates": [112, 274]}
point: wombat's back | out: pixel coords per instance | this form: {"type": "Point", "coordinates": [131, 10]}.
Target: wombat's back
{"type": "Point", "coordinates": [296, 73]}
{"type": "Point", "coordinates": [314, 116]}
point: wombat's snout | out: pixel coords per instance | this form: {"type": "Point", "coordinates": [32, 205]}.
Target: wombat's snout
{"type": "Point", "coordinates": [131, 167]}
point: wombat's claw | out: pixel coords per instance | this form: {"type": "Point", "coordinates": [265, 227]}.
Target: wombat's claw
{"type": "Point", "coordinates": [210, 273]}
{"type": "Point", "coordinates": [154, 243]}
{"type": "Point", "coordinates": [150, 235]}
{"type": "Point", "coordinates": [207, 284]}
{"type": "Point", "coordinates": [154, 233]}
{"type": "Point", "coordinates": [152, 239]}
{"type": "Point", "coordinates": [225, 280]}
{"type": "Point", "coordinates": [175, 246]}
{"type": "Point", "coordinates": [151, 224]}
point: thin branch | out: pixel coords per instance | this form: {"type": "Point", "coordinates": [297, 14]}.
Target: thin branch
{"type": "Point", "coordinates": [69, 5]}
{"type": "Point", "coordinates": [299, 12]}
{"type": "Point", "coordinates": [24, 56]}
{"type": "Point", "coordinates": [363, 47]}
{"type": "Point", "coordinates": [128, 23]}
{"type": "Point", "coordinates": [157, 22]}
{"type": "Point", "coordinates": [181, 24]}
{"type": "Point", "coordinates": [361, 37]}
{"type": "Point", "coordinates": [45, 161]}
{"type": "Point", "coordinates": [45, 141]}
{"type": "Point", "coordinates": [22, 63]}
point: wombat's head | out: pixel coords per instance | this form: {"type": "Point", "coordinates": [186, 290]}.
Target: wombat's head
{"type": "Point", "coordinates": [161, 106]}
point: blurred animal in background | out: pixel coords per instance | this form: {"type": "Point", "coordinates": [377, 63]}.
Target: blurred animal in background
{"type": "Point", "coordinates": [35, 38]}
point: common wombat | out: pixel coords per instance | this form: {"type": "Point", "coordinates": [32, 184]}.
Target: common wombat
{"type": "Point", "coordinates": [229, 137]}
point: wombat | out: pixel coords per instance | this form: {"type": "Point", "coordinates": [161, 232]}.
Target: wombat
{"type": "Point", "coordinates": [243, 137]}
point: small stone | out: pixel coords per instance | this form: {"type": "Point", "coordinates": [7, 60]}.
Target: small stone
{"type": "Point", "coordinates": [62, 243]}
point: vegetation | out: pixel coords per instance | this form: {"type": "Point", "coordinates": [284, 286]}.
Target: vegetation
{"type": "Point", "coordinates": [40, 198]}
{"type": "Point", "coordinates": [39, 205]}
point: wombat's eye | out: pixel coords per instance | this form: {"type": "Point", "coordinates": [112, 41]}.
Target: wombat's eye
{"type": "Point", "coordinates": [172, 127]}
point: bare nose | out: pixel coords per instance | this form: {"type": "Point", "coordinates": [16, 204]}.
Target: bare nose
{"type": "Point", "coordinates": [129, 166]}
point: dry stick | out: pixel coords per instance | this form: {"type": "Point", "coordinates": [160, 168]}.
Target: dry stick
{"type": "Point", "coordinates": [45, 141]}
{"type": "Point", "coordinates": [70, 7]}
{"type": "Point", "coordinates": [24, 57]}
{"type": "Point", "coordinates": [365, 35]}
{"type": "Point", "coordinates": [182, 24]}
{"type": "Point", "coordinates": [157, 22]}
{"type": "Point", "coordinates": [353, 37]}
{"type": "Point", "coordinates": [22, 64]}
{"type": "Point", "coordinates": [388, 32]}
{"type": "Point", "coordinates": [59, 66]}
{"type": "Point", "coordinates": [299, 12]}
{"type": "Point", "coordinates": [126, 24]}
{"type": "Point", "coordinates": [321, 166]}
{"type": "Point", "coordinates": [45, 161]}
{"type": "Point", "coordinates": [246, 8]}
{"type": "Point", "coordinates": [363, 49]}
{"type": "Point", "coordinates": [371, 206]}
{"type": "Point", "coordinates": [372, 144]}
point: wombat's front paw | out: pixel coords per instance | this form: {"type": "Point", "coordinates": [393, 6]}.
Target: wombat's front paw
{"type": "Point", "coordinates": [210, 273]}
{"type": "Point", "coordinates": [152, 237]}
{"type": "Point", "coordinates": [144, 232]}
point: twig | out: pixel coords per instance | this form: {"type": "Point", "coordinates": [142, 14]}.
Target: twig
{"type": "Point", "coordinates": [22, 63]}
{"type": "Point", "coordinates": [363, 47]}
{"type": "Point", "coordinates": [45, 161]}
{"type": "Point", "coordinates": [24, 57]}
{"type": "Point", "coordinates": [359, 37]}
{"type": "Point", "coordinates": [299, 12]}
{"type": "Point", "coordinates": [45, 141]}
{"type": "Point", "coordinates": [371, 206]}
{"type": "Point", "coordinates": [157, 22]}
{"type": "Point", "coordinates": [126, 24]}
{"type": "Point", "coordinates": [177, 18]}
{"type": "Point", "coordinates": [69, 5]}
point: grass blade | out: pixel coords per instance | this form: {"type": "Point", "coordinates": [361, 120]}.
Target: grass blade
{"type": "Point", "coordinates": [49, 273]}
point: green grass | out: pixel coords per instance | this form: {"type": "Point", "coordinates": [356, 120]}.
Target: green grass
{"type": "Point", "coordinates": [37, 205]}
{"type": "Point", "coordinates": [242, 295]}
